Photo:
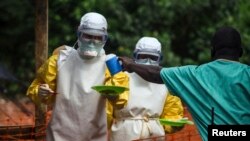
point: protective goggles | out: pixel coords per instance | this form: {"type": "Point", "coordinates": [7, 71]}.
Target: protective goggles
{"type": "Point", "coordinates": [145, 54]}
{"type": "Point", "coordinates": [96, 39]}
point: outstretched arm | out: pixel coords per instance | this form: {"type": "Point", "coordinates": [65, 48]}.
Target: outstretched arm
{"type": "Point", "coordinates": [147, 72]}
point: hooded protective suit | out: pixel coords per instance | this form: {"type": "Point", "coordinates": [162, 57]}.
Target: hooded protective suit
{"type": "Point", "coordinates": [78, 110]}
{"type": "Point", "coordinates": [147, 102]}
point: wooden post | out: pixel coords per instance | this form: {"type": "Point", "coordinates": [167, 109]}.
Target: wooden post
{"type": "Point", "coordinates": [41, 54]}
{"type": "Point", "coordinates": [41, 30]}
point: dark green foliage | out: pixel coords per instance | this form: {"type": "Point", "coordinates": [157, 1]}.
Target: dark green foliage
{"type": "Point", "coordinates": [184, 28]}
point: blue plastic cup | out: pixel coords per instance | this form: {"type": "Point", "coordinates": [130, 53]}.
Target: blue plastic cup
{"type": "Point", "coordinates": [113, 64]}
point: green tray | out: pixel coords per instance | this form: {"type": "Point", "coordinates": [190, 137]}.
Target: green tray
{"type": "Point", "coordinates": [180, 122]}
{"type": "Point", "coordinates": [110, 90]}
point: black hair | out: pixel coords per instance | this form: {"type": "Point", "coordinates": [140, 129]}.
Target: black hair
{"type": "Point", "coordinates": [226, 43]}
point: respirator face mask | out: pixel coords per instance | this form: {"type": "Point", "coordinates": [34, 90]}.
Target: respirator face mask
{"type": "Point", "coordinates": [90, 46]}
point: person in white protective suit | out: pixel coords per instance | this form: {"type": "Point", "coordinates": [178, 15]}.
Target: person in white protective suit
{"type": "Point", "coordinates": [147, 102]}
{"type": "Point", "coordinates": [65, 82]}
